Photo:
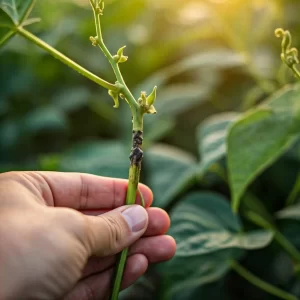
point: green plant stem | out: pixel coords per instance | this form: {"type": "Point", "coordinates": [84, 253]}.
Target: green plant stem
{"type": "Point", "coordinates": [115, 66]}
{"type": "Point", "coordinates": [267, 287]}
{"type": "Point", "coordinates": [134, 172]}
{"type": "Point", "coordinates": [133, 181]}
{"type": "Point", "coordinates": [64, 59]}
{"type": "Point", "coordinates": [279, 237]}
{"type": "Point", "coordinates": [136, 152]}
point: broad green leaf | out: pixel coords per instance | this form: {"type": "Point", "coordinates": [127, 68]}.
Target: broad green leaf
{"type": "Point", "coordinates": [259, 137]}
{"type": "Point", "coordinates": [208, 269]}
{"type": "Point", "coordinates": [208, 235]}
{"type": "Point", "coordinates": [215, 290]}
{"type": "Point", "coordinates": [168, 171]}
{"type": "Point", "coordinates": [291, 212]}
{"type": "Point", "coordinates": [172, 101]}
{"type": "Point", "coordinates": [156, 130]}
{"type": "Point", "coordinates": [9, 134]}
{"type": "Point", "coordinates": [12, 14]}
{"type": "Point", "coordinates": [219, 58]}
{"type": "Point", "coordinates": [99, 157]}
{"type": "Point", "coordinates": [68, 100]}
{"type": "Point", "coordinates": [211, 136]}
{"type": "Point", "coordinates": [175, 99]}
{"type": "Point", "coordinates": [44, 118]}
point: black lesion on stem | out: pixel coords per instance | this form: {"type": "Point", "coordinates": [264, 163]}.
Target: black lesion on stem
{"type": "Point", "coordinates": [136, 154]}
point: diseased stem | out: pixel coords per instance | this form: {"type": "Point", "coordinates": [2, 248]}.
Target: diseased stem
{"type": "Point", "coordinates": [136, 157]}
{"type": "Point", "coordinates": [64, 59]}
{"type": "Point", "coordinates": [267, 287]}
{"type": "Point", "coordinates": [138, 109]}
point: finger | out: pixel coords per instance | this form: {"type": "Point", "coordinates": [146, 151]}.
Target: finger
{"type": "Point", "coordinates": [159, 221]}
{"type": "Point", "coordinates": [109, 233]}
{"type": "Point", "coordinates": [156, 249]}
{"type": "Point", "coordinates": [98, 286]}
{"type": "Point", "coordinates": [77, 190]}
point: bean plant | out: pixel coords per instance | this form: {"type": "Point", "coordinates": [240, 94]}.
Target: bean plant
{"type": "Point", "coordinates": [224, 208]}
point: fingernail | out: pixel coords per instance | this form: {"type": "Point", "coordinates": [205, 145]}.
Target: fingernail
{"type": "Point", "coordinates": [136, 217]}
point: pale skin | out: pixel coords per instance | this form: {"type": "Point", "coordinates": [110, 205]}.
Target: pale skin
{"type": "Point", "coordinates": [59, 233]}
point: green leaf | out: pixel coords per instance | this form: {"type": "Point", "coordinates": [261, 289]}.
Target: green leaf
{"type": "Point", "coordinates": [172, 101]}
{"type": "Point", "coordinates": [101, 158]}
{"type": "Point", "coordinates": [70, 99]}
{"type": "Point", "coordinates": [157, 130]}
{"type": "Point", "coordinates": [175, 99]}
{"type": "Point", "coordinates": [9, 134]}
{"type": "Point", "coordinates": [44, 118]}
{"type": "Point", "coordinates": [211, 136]}
{"type": "Point", "coordinates": [216, 290]}
{"type": "Point", "coordinates": [219, 58]}
{"type": "Point", "coordinates": [208, 235]}
{"type": "Point", "coordinates": [169, 171]}
{"type": "Point", "coordinates": [259, 137]}
{"type": "Point", "coordinates": [291, 212]}
{"type": "Point", "coordinates": [208, 269]}
{"type": "Point", "coordinates": [13, 13]}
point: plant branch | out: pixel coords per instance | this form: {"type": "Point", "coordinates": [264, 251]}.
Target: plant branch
{"type": "Point", "coordinates": [115, 66]}
{"type": "Point", "coordinates": [138, 109]}
{"type": "Point", "coordinates": [267, 287]}
{"type": "Point", "coordinates": [64, 59]}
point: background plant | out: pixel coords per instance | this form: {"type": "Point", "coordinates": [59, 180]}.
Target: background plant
{"type": "Point", "coordinates": [216, 63]}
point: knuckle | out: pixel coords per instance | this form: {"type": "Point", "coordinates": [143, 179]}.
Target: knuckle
{"type": "Point", "coordinates": [115, 231]}
{"type": "Point", "coordinates": [84, 193]}
{"type": "Point", "coordinates": [11, 176]}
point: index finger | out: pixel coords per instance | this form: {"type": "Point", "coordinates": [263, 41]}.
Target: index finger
{"type": "Point", "coordinates": [82, 191]}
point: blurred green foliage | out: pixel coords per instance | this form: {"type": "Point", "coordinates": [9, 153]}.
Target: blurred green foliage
{"type": "Point", "coordinates": [212, 61]}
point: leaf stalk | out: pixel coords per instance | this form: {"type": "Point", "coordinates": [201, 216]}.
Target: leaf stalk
{"type": "Point", "coordinates": [66, 60]}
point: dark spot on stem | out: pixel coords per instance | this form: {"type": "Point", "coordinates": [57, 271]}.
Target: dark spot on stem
{"type": "Point", "coordinates": [136, 154]}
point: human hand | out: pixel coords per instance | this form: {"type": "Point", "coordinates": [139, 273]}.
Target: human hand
{"type": "Point", "coordinates": [59, 233]}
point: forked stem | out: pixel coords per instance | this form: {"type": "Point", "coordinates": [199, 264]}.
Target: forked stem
{"type": "Point", "coordinates": [138, 110]}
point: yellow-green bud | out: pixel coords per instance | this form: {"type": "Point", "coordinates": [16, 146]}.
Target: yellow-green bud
{"type": "Point", "coordinates": [143, 98]}
{"type": "Point", "coordinates": [151, 98]}
{"type": "Point", "coordinates": [94, 40]}
{"type": "Point", "coordinates": [119, 57]}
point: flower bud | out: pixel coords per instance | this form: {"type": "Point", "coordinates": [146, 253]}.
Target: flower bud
{"type": "Point", "coordinates": [119, 57]}
{"type": "Point", "coordinates": [151, 98]}
{"type": "Point", "coordinates": [94, 40]}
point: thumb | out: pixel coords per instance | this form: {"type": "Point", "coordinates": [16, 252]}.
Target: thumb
{"type": "Point", "coordinates": [111, 232]}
